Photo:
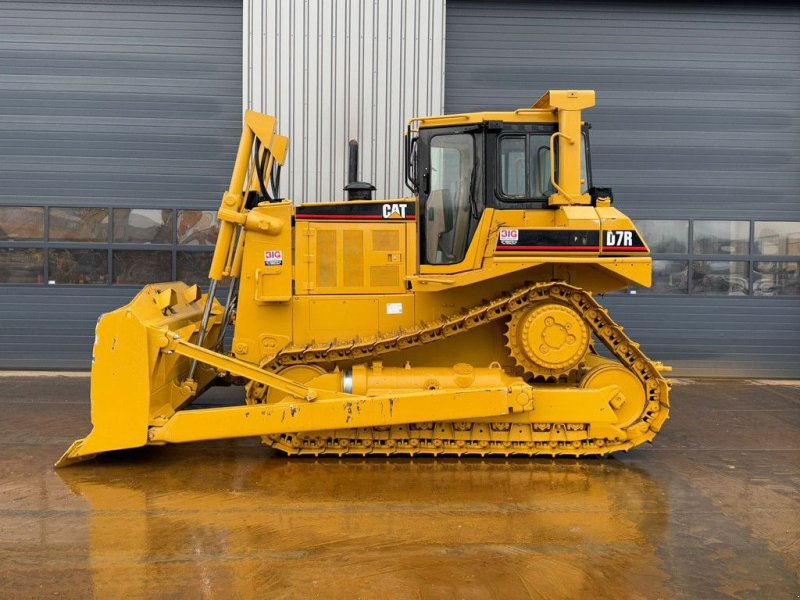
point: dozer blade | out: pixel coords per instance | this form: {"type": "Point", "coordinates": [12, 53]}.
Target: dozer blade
{"type": "Point", "coordinates": [132, 382]}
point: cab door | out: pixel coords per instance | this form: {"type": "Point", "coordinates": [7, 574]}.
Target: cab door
{"type": "Point", "coordinates": [451, 184]}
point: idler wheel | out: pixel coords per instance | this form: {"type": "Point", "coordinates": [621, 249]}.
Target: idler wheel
{"type": "Point", "coordinates": [629, 404]}
{"type": "Point", "coordinates": [548, 340]}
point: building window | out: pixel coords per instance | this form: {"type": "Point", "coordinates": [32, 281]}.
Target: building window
{"type": "Point", "coordinates": [711, 268]}
{"type": "Point", "coordinates": [78, 225]}
{"type": "Point", "coordinates": [21, 223]}
{"type": "Point", "coordinates": [141, 266]}
{"type": "Point", "coordinates": [777, 238]}
{"type": "Point", "coordinates": [21, 265]}
{"type": "Point", "coordinates": [665, 237]}
{"type": "Point", "coordinates": [723, 277]}
{"type": "Point", "coordinates": [670, 277]}
{"type": "Point", "coordinates": [143, 226]}
{"type": "Point", "coordinates": [193, 267]}
{"type": "Point", "coordinates": [74, 265]}
{"type": "Point", "coordinates": [776, 278]}
{"type": "Point", "coordinates": [721, 237]}
{"type": "Point", "coordinates": [197, 227]}
{"type": "Point", "coordinates": [104, 246]}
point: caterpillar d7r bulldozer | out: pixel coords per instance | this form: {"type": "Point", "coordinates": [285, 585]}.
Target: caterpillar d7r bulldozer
{"type": "Point", "coordinates": [462, 320]}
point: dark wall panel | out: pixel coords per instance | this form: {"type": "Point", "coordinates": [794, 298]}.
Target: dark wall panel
{"type": "Point", "coordinates": [113, 103]}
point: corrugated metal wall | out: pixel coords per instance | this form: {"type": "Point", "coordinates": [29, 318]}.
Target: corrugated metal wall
{"type": "Point", "coordinates": [698, 117]}
{"type": "Point", "coordinates": [334, 71]}
{"type": "Point", "coordinates": [109, 104]}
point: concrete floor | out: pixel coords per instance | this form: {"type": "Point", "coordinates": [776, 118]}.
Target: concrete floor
{"type": "Point", "coordinates": [711, 510]}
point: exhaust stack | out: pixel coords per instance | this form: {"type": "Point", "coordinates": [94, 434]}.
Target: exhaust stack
{"type": "Point", "coordinates": [356, 190]}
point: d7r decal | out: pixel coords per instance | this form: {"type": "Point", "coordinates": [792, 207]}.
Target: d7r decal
{"type": "Point", "coordinates": [623, 240]}
{"type": "Point", "coordinates": [619, 238]}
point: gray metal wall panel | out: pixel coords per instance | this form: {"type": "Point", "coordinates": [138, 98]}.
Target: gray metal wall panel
{"type": "Point", "coordinates": [135, 101]}
{"type": "Point", "coordinates": [714, 336]}
{"type": "Point", "coordinates": [46, 327]}
{"type": "Point", "coordinates": [698, 117]}
{"type": "Point", "coordinates": [334, 71]}
{"type": "Point", "coordinates": [128, 103]}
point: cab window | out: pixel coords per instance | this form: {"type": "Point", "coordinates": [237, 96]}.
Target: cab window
{"type": "Point", "coordinates": [447, 207]}
{"type": "Point", "coordinates": [524, 165]}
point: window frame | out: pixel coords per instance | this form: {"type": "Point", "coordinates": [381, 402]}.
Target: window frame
{"type": "Point", "coordinates": [691, 257]}
{"type": "Point", "coordinates": [426, 135]}
{"type": "Point", "coordinates": [46, 244]}
{"type": "Point", "coordinates": [527, 130]}
{"type": "Point", "coordinates": [500, 174]}
{"type": "Point", "coordinates": [749, 242]}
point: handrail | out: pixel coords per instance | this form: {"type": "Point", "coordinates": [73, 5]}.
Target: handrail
{"type": "Point", "coordinates": [555, 185]}
{"type": "Point", "coordinates": [417, 120]}
{"type": "Point", "coordinates": [532, 109]}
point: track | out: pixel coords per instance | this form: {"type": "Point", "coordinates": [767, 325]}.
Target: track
{"type": "Point", "coordinates": [480, 437]}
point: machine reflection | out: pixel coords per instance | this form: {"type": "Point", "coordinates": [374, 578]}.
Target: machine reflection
{"type": "Point", "coordinates": [239, 526]}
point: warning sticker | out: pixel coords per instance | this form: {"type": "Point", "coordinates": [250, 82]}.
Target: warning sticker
{"type": "Point", "coordinates": [509, 237]}
{"type": "Point", "coordinates": [394, 308]}
{"type": "Point", "coordinates": [273, 258]}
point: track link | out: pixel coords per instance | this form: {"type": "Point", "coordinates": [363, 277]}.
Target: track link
{"type": "Point", "coordinates": [480, 438]}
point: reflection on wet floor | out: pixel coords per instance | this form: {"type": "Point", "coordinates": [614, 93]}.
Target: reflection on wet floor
{"type": "Point", "coordinates": [364, 527]}
{"type": "Point", "coordinates": [711, 510]}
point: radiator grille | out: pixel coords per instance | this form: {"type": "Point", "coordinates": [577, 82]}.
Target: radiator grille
{"type": "Point", "coordinates": [384, 276]}
{"type": "Point", "coordinates": [353, 267]}
{"type": "Point", "coordinates": [326, 258]}
{"type": "Point", "coordinates": [386, 240]}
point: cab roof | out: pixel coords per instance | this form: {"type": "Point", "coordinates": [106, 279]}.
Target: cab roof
{"type": "Point", "coordinates": [545, 110]}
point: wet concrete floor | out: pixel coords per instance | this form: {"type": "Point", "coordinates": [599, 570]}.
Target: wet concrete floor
{"type": "Point", "coordinates": [711, 510]}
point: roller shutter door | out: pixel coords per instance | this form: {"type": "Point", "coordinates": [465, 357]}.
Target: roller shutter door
{"type": "Point", "coordinates": [697, 130]}
{"type": "Point", "coordinates": [117, 115]}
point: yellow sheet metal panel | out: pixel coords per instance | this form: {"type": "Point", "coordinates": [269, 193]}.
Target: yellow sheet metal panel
{"type": "Point", "coordinates": [325, 317]}
{"type": "Point", "coordinates": [330, 317]}
{"type": "Point", "coordinates": [395, 311]}
{"type": "Point", "coordinates": [267, 265]}
{"type": "Point", "coordinates": [265, 285]}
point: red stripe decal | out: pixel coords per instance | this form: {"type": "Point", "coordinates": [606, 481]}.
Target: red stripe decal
{"type": "Point", "coordinates": [350, 217]}
{"type": "Point", "coordinates": [631, 249]}
{"type": "Point", "coordinates": [557, 248]}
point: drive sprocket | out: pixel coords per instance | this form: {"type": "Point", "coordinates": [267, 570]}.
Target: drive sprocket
{"type": "Point", "coordinates": [547, 340]}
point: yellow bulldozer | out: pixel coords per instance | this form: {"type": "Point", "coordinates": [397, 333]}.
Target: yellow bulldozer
{"type": "Point", "coordinates": [461, 320]}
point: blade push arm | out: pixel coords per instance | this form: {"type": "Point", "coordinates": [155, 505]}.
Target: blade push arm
{"type": "Point", "coordinates": [232, 212]}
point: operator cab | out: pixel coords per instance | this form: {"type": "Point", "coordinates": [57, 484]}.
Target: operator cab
{"type": "Point", "coordinates": [459, 165]}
